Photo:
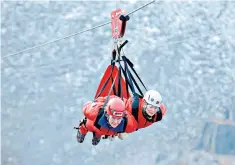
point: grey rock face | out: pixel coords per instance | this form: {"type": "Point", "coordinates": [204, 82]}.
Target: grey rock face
{"type": "Point", "coordinates": [183, 49]}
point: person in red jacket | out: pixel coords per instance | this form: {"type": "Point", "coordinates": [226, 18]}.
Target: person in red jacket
{"type": "Point", "coordinates": [108, 121]}
{"type": "Point", "coordinates": [146, 110]}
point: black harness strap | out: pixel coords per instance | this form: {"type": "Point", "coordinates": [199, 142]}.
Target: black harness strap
{"type": "Point", "coordinates": [114, 55]}
{"type": "Point", "coordinates": [120, 82]}
{"type": "Point", "coordinates": [159, 115]}
{"type": "Point", "coordinates": [123, 44]}
{"type": "Point", "coordinates": [135, 107]}
{"type": "Point", "coordinates": [132, 67]}
{"type": "Point", "coordinates": [100, 113]}
{"type": "Point", "coordinates": [127, 81]}
{"type": "Point", "coordinates": [125, 123]}
{"type": "Point", "coordinates": [131, 79]}
{"type": "Point", "coordinates": [120, 93]}
{"type": "Point", "coordinates": [137, 86]}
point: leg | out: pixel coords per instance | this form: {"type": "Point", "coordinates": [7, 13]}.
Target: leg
{"type": "Point", "coordinates": [95, 139]}
{"type": "Point", "coordinates": [82, 131]}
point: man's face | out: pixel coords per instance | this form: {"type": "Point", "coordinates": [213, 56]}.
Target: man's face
{"type": "Point", "coordinates": [114, 122]}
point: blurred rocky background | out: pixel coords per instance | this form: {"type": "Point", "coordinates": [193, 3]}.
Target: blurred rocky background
{"type": "Point", "coordinates": [185, 49]}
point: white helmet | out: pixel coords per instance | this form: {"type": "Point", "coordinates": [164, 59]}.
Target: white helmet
{"type": "Point", "coordinates": [153, 97]}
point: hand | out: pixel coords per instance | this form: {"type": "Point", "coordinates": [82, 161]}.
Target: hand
{"type": "Point", "coordinates": [122, 136]}
{"type": "Point", "coordinates": [111, 138]}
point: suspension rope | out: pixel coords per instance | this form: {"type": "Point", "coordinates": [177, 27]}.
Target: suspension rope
{"type": "Point", "coordinates": [71, 35]}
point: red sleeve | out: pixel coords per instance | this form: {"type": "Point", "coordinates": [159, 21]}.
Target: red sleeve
{"type": "Point", "coordinates": [163, 109]}
{"type": "Point", "coordinates": [100, 99]}
{"type": "Point", "coordinates": [90, 110]}
{"type": "Point", "coordinates": [128, 104]}
{"type": "Point", "coordinates": [131, 123]}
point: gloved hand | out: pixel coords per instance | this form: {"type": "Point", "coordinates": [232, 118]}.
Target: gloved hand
{"type": "Point", "coordinates": [122, 136]}
{"type": "Point", "coordinates": [111, 138]}
{"type": "Point", "coordinates": [83, 121]}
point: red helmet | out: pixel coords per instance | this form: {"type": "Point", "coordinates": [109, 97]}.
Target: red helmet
{"type": "Point", "coordinates": [116, 108]}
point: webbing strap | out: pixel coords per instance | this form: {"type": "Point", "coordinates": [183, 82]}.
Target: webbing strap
{"type": "Point", "coordinates": [131, 79]}
{"type": "Point", "coordinates": [127, 81]}
{"type": "Point", "coordinates": [135, 106]}
{"type": "Point", "coordinates": [120, 82]}
{"type": "Point", "coordinates": [159, 115]}
{"type": "Point", "coordinates": [106, 82]}
{"type": "Point", "coordinates": [132, 67]}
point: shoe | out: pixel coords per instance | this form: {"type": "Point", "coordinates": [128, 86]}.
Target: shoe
{"type": "Point", "coordinates": [95, 140]}
{"type": "Point", "coordinates": [80, 137]}
{"type": "Point", "coordinates": [122, 136]}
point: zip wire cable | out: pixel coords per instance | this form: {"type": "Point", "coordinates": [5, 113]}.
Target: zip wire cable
{"type": "Point", "coordinates": [71, 35]}
{"type": "Point", "coordinates": [140, 8]}
{"type": "Point", "coordinates": [56, 40]}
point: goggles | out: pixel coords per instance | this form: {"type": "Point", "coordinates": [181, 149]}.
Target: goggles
{"type": "Point", "coordinates": [116, 114]}
{"type": "Point", "coordinates": [148, 106]}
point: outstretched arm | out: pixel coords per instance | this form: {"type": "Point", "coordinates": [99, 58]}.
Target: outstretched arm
{"type": "Point", "coordinates": [132, 124]}
{"type": "Point", "coordinates": [89, 110]}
